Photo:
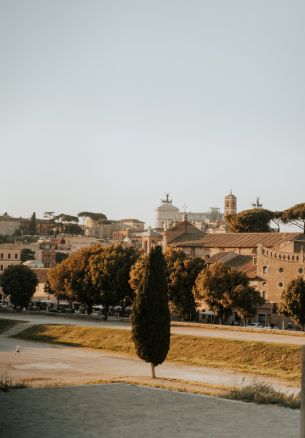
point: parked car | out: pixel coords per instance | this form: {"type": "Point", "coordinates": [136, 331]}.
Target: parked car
{"type": "Point", "coordinates": [34, 308]}
{"type": "Point", "coordinates": [255, 325]}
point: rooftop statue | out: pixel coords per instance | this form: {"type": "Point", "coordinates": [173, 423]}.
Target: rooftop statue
{"type": "Point", "coordinates": [167, 200]}
{"type": "Point", "coordinates": [257, 204]}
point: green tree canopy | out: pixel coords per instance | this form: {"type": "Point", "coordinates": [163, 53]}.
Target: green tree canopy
{"type": "Point", "coordinates": [295, 216]}
{"type": "Point", "coordinates": [58, 282]}
{"type": "Point", "coordinates": [27, 254]}
{"type": "Point", "coordinates": [293, 301]}
{"type": "Point", "coordinates": [19, 282]}
{"type": "Point", "coordinates": [60, 256]}
{"type": "Point", "coordinates": [32, 224]}
{"type": "Point", "coordinates": [246, 301]}
{"type": "Point", "coordinates": [182, 272]}
{"type": "Point", "coordinates": [110, 270]}
{"type": "Point", "coordinates": [256, 220]}
{"type": "Point", "coordinates": [150, 312]}
{"type": "Point", "coordinates": [71, 279]}
{"type": "Point", "coordinates": [136, 274]}
{"type": "Point", "coordinates": [68, 224]}
{"type": "Point", "coordinates": [216, 286]}
{"type": "Point", "coordinates": [93, 216]}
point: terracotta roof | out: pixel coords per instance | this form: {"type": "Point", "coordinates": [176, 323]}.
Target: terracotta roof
{"type": "Point", "coordinates": [236, 240]}
{"type": "Point", "coordinates": [42, 274]}
{"type": "Point", "coordinates": [188, 232]}
{"type": "Point", "coordinates": [242, 263]}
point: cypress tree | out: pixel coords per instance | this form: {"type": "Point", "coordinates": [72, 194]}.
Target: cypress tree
{"type": "Point", "coordinates": [32, 224]}
{"type": "Point", "coordinates": [150, 312]}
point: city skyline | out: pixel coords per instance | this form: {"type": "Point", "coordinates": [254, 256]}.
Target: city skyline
{"type": "Point", "coordinates": [107, 106]}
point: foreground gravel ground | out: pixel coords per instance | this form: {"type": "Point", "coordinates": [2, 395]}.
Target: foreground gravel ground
{"type": "Point", "coordinates": [112, 411]}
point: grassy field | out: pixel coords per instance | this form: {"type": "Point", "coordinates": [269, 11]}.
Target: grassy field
{"type": "Point", "coordinates": [5, 324]}
{"type": "Point", "coordinates": [274, 360]}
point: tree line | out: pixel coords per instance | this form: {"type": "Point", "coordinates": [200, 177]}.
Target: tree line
{"type": "Point", "coordinates": [113, 275]}
{"type": "Point", "coordinates": [110, 275]}
{"type": "Point", "coordinates": [260, 220]}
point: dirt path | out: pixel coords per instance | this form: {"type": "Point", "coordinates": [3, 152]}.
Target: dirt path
{"type": "Point", "coordinates": [49, 364]}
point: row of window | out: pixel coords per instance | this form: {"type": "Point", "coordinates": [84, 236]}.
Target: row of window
{"type": "Point", "coordinates": [266, 269]}
{"type": "Point", "coordinates": [9, 256]}
{"type": "Point", "coordinates": [281, 256]}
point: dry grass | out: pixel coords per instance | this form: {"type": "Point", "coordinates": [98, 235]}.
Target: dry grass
{"type": "Point", "coordinates": [263, 393]}
{"type": "Point", "coordinates": [238, 328]}
{"type": "Point", "coordinates": [260, 393]}
{"type": "Point", "coordinates": [7, 383]}
{"type": "Point", "coordinates": [261, 358]}
{"type": "Point", "coordinates": [5, 324]}
{"type": "Point", "coordinates": [169, 384]}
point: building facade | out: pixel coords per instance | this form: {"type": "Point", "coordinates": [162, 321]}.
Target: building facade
{"type": "Point", "coordinates": [167, 215]}
{"type": "Point", "coordinates": [9, 255]}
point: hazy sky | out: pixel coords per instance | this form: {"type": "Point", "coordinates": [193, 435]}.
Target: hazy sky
{"type": "Point", "coordinates": [106, 105]}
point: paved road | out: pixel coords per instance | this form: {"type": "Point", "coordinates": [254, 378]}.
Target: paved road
{"type": "Point", "coordinates": [194, 331]}
{"type": "Point", "coordinates": [112, 411]}
{"type": "Point", "coordinates": [44, 363]}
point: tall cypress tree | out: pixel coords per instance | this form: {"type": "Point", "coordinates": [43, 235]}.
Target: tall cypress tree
{"type": "Point", "coordinates": [32, 224]}
{"type": "Point", "coordinates": [150, 312]}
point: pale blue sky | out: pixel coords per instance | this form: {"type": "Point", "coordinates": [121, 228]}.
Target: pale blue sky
{"type": "Point", "coordinates": [105, 105]}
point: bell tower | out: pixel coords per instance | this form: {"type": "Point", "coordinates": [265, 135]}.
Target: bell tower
{"type": "Point", "coordinates": [230, 204]}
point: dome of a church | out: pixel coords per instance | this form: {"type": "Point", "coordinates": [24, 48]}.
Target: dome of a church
{"type": "Point", "coordinates": [168, 207]}
{"type": "Point", "coordinates": [167, 204]}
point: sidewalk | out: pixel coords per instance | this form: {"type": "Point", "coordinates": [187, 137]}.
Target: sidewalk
{"type": "Point", "coordinates": [112, 411]}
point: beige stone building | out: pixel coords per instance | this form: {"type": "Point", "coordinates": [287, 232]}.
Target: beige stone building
{"type": "Point", "coordinates": [9, 255]}
{"type": "Point", "coordinates": [133, 224]}
{"type": "Point", "coordinates": [106, 229]}
{"type": "Point", "coordinates": [279, 265]}
{"type": "Point", "coordinates": [150, 238]}
{"type": "Point", "coordinates": [167, 215]}
{"type": "Point", "coordinates": [271, 260]}
{"type": "Point", "coordinates": [9, 226]}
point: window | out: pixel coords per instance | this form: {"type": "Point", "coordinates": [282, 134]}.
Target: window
{"type": "Point", "coordinates": [16, 256]}
{"type": "Point", "coordinates": [281, 270]}
{"type": "Point", "coordinates": [265, 269]}
{"type": "Point", "coordinates": [1, 255]}
{"type": "Point", "coordinates": [8, 256]}
{"type": "Point", "coordinates": [301, 270]}
{"type": "Point", "coordinates": [1, 267]}
{"type": "Point", "coordinates": [280, 284]}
